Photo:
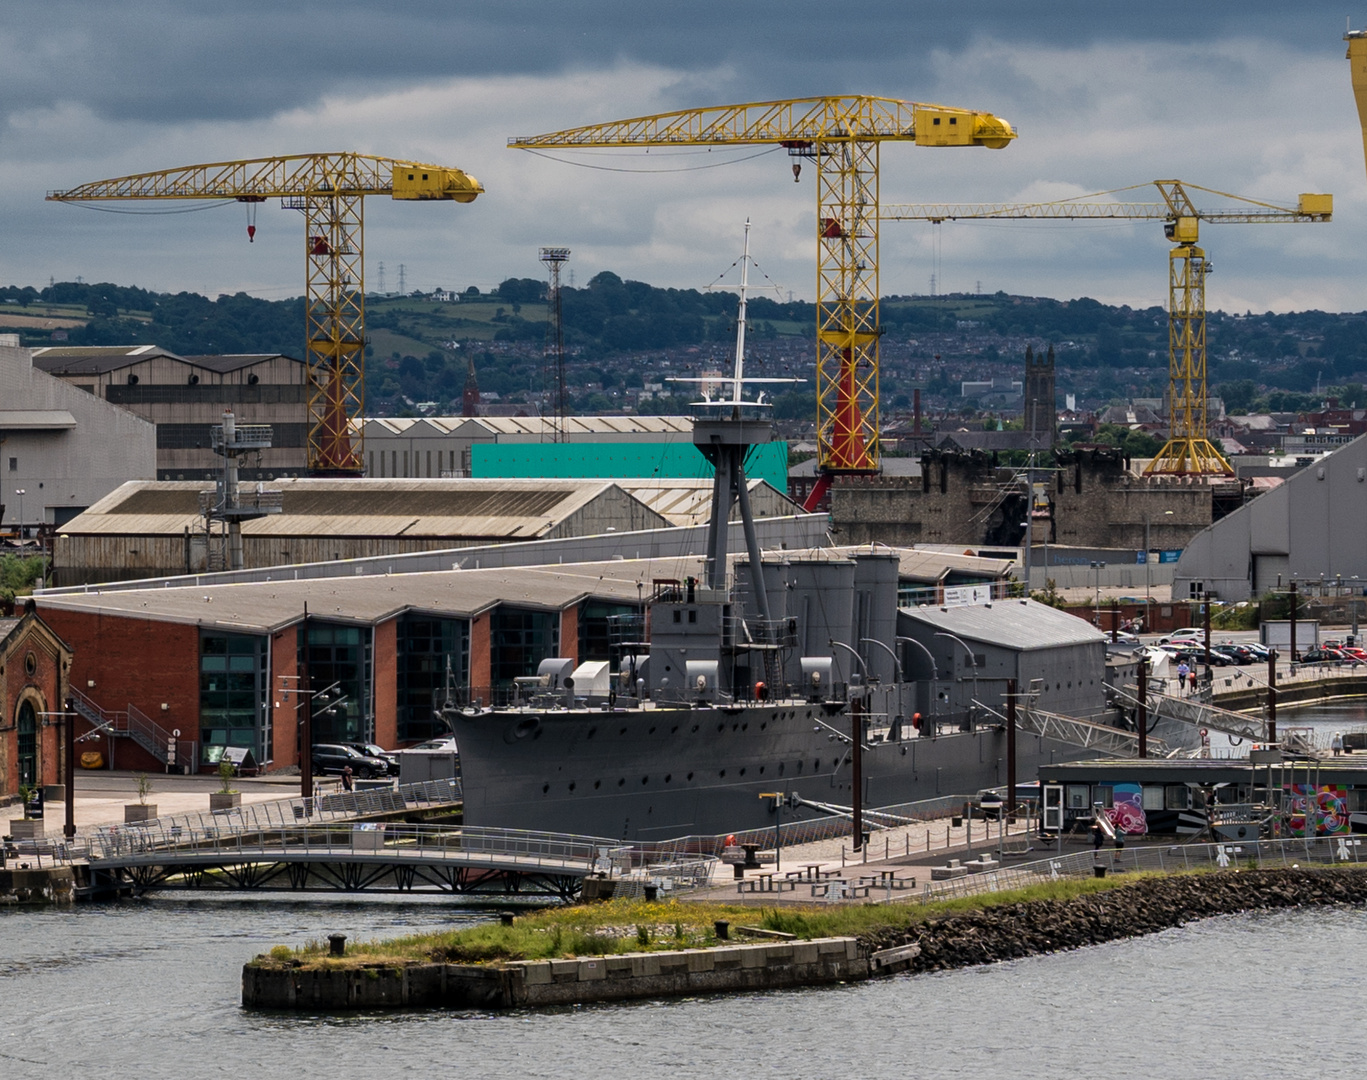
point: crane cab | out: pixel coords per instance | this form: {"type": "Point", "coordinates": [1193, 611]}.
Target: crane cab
{"type": "Point", "coordinates": [422, 182]}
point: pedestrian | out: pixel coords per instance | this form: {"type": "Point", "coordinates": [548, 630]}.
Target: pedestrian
{"type": "Point", "coordinates": [1098, 836]}
{"type": "Point", "coordinates": [1182, 671]}
{"type": "Point", "coordinates": [1191, 676]}
{"type": "Point", "coordinates": [346, 778]}
{"type": "Point", "coordinates": [1336, 743]}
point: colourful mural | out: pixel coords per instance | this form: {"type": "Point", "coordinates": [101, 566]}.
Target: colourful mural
{"type": "Point", "coordinates": [1329, 808]}
{"type": "Point", "coordinates": [1127, 810]}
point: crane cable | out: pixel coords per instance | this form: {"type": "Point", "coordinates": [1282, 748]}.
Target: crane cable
{"type": "Point", "coordinates": [180, 210]}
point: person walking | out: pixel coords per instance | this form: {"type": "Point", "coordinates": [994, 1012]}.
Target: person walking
{"type": "Point", "coordinates": [1336, 743]}
{"type": "Point", "coordinates": [1182, 672]}
{"type": "Point", "coordinates": [347, 784]}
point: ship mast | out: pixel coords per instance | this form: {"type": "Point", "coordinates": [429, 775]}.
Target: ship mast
{"type": "Point", "coordinates": [724, 432]}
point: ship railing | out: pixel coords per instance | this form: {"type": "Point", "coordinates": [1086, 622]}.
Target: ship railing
{"type": "Point", "coordinates": [1332, 849]}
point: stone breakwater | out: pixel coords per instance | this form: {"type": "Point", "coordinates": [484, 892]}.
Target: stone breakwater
{"type": "Point", "coordinates": [1001, 932]}
{"type": "Point", "coordinates": [1013, 931]}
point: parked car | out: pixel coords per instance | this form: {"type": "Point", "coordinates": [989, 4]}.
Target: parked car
{"type": "Point", "coordinates": [370, 749]}
{"type": "Point", "coordinates": [334, 757]}
{"type": "Point", "coordinates": [1191, 633]}
{"type": "Point", "coordinates": [1323, 654]}
{"type": "Point", "coordinates": [1239, 653]}
{"type": "Point", "coordinates": [1198, 656]}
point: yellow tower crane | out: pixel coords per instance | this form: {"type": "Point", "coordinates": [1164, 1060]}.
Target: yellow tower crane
{"type": "Point", "coordinates": [1188, 451]}
{"type": "Point", "coordinates": [1357, 66]}
{"type": "Point", "coordinates": [842, 135]}
{"type": "Point", "coordinates": [330, 189]}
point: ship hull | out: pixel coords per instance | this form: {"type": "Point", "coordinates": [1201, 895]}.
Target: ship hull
{"type": "Point", "coordinates": [660, 774]}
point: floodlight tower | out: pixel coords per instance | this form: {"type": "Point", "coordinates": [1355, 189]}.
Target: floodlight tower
{"type": "Point", "coordinates": [555, 258]}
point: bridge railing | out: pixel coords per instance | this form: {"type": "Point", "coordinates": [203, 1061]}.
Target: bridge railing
{"type": "Point", "coordinates": [342, 805]}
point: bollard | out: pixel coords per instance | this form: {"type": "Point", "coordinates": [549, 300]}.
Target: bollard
{"type": "Point", "coordinates": [506, 918]}
{"type": "Point", "coordinates": [723, 929]}
{"type": "Point", "coordinates": [337, 944]}
{"type": "Point", "coordinates": [652, 891]}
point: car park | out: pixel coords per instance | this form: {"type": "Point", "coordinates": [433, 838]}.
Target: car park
{"type": "Point", "coordinates": [1238, 653]}
{"type": "Point", "coordinates": [1186, 633]}
{"type": "Point", "coordinates": [1198, 656]}
{"type": "Point", "coordinates": [334, 757]}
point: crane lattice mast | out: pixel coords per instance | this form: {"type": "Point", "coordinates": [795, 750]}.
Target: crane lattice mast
{"type": "Point", "coordinates": [330, 190]}
{"type": "Point", "coordinates": [1188, 451]}
{"type": "Point", "coordinates": [842, 135]}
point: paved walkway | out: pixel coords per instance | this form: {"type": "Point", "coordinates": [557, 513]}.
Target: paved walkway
{"type": "Point", "coordinates": [101, 797]}
{"type": "Point", "coordinates": [910, 850]}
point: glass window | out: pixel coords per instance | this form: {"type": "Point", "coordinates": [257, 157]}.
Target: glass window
{"type": "Point", "coordinates": [1153, 796]}
{"type": "Point", "coordinates": [425, 647]}
{"type": "Point", "coordinates": [1178, 797]}
{"type": "Point", "coordinates": [519, 640]}
{"type": "Point", "coordinates": [1078, 797]}
{"type": "Point", "coordinates": [339, 660]}
{"type": "Point", "coordinates": [1103, 795]}
{"type": "Point", "coordinates": [233, 691]}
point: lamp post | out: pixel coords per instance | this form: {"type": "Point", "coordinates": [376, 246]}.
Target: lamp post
{"type": "Point", "coordinates": [1097, 567]}
{"type": "Point", "coordinates": [857, 750]}
{"type": "Point", "coordinates": [777, 796]}
{"type": "Point", "coordinates": [65, 720]}
{"type": "Point", "coordinates": [1148, 575]}
{"type": "Point", "coordinates": [897, 667]}
{"type": "Point", "coordinates": [20, 523]}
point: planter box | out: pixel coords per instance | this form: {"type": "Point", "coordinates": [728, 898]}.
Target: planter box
{"type": "Point", "coordinates": [134, 812]}
{"type": "Point", "coordinates": [224, 800]}
{"type": "Point", "coordinates": [26, 828]}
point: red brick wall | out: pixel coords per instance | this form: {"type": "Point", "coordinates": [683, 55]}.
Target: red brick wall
{"type": "Point", "coordinates": [15, 684]}
{"type": "Point", "coordinates": [133, 661]}
{"type": "Point", "coordinates": [386, 690]}
{"type": "Point", "coordinates": [569, 633]}
{"type": "Point", "coordinates": [481, 662]}
{"type": "Point", "coordinates": [285, 711]}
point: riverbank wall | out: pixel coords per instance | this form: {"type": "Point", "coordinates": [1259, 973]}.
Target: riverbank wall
{"type": "Point", "coordinates": [991, 934]}
{"type": "Point", "coordinates": [1253, 697]}
{"type": "Point", "coordinates": [49, 885]}
{"type": "Point", "coordinates": [534, 983]}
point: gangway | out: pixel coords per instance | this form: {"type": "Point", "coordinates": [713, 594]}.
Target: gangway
{"type": "Point", "coordinates": [1086, 734]}
{"type": "Point", "coordinates": [1197, 713]}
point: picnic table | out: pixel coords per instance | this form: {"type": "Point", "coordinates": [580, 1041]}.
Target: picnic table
{"type": "Point", "coordinates": [762, 883]}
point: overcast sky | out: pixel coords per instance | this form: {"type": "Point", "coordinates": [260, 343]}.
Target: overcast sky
{"type": "Point", "coordinates": [1251, 98]}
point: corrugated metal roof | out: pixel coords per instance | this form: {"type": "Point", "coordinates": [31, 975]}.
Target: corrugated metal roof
{"type": "Point", "coordinates": [689, 502]}
{"type": "Point", "coordinates": [486, 509]}
{"type": "Point", "coordinates": [225, 362]}
{"type": "Point", "coordinates": [1016, 624]}
{"type": "Point", "coordinates": [574, 426]}
{"type": "Point", "coordinates": [36, 419]}
{"type": "Point", "coordinates": [95, 359]}
{"type": "Point", "coordinates": [269, 605]}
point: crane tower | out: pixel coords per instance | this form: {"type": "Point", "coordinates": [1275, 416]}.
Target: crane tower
{"type": "Point", "coordinates": [330, 190]}
{"type": "Point", "coordinates": [1188, 451]}
{"type": "Point", "coordinates": [842, 135]}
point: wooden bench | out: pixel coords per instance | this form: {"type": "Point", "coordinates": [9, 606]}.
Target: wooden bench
{"type": "Point", "coordinates": [764, 883]}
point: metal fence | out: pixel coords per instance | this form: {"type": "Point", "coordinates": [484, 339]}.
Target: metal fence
{"type": "Point", "coordinates": [1257, 854]}
{"type": "Point", "coordinates": [256, 817]}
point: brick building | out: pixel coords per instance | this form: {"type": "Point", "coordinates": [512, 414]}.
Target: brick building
{"type": "Point", "coordinates": [35, 665]}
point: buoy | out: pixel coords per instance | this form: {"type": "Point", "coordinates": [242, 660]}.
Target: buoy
{"type": "Point", "coordinates": [731, 840]}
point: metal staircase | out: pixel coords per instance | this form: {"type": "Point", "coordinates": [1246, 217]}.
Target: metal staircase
{"type": "Point", "coordinates": [133, 724]}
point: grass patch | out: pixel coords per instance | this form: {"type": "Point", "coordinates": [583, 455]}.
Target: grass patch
{"type": "Point", "coordinates": [622, 926]}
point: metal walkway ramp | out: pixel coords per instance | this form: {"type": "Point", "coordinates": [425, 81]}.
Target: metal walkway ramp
{"type": "Point", "coordinates": [1201, 714]}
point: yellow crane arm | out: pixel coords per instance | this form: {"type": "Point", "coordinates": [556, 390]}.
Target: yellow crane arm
{"type": "Point", "coordinates": [1177, 204]}
{"type": "Point", "coordinates": [346, 174]}
{"type": "Point", "coordinates": [796, 120]}
{"type": "Point", "coordinates": [1357, 64]}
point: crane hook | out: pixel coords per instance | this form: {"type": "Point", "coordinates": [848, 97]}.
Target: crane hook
{"type": "Point", "coordinates": [797, 171]}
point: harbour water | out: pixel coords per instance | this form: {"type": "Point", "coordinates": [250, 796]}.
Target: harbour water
{"type": "Point", "coordinates": [151, 988]}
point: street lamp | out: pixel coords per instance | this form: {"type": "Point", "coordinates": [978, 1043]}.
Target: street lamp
{"type": "Point", "coordinates": [856, 749]}
{"type": "Point", "coordinates": [20, 523]}
{"type": "Point", "coordinates": [65, 720]}
{"type": "Point", "coordinates": [1098, 567]}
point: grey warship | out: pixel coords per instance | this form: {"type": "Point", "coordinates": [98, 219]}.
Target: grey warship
{"type": "Point", "coordinates": [769, 674]}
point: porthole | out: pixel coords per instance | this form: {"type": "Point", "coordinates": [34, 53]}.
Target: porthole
{"type": "Point", "coordinates": [592, 732]}
{"type": "Point", "coordinates": [571, 785]}
{"type": "Point", "coordinates": [621, 731]}
{"type": "Point", "coordinates": [764, 725]}
{"type": "Point", "coordinates": [745, 727]}
{"type": "Point", "coordinates": [695, 729]}
{"type": "Point", "coordinates": [721, 728]}
{"type": "Point", "coordinates": [622, 782]}
{"type": "Point", "coordinates": [545, 789]}
{"type": "Point", "coordinates": [645, 780]}
{"type": "Point", "coordinates": [30, 663]}
{"type": "Point", "coordinates": [651, 731]}
{"type": "Point", "coordinates": [761, 770]}
{"type": "Point", "coordinates": [742, 770]}
{"type": "Point", "coordinates": [689, 776]}
{"type": "Point", "coordinates": [722, 774]}
{"type": "Point", "coordinates": [780, 768]}
{"type": "Point", "coordinates": [674, 730]}
{"type": "Point", "coordinates": [668, 777]}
